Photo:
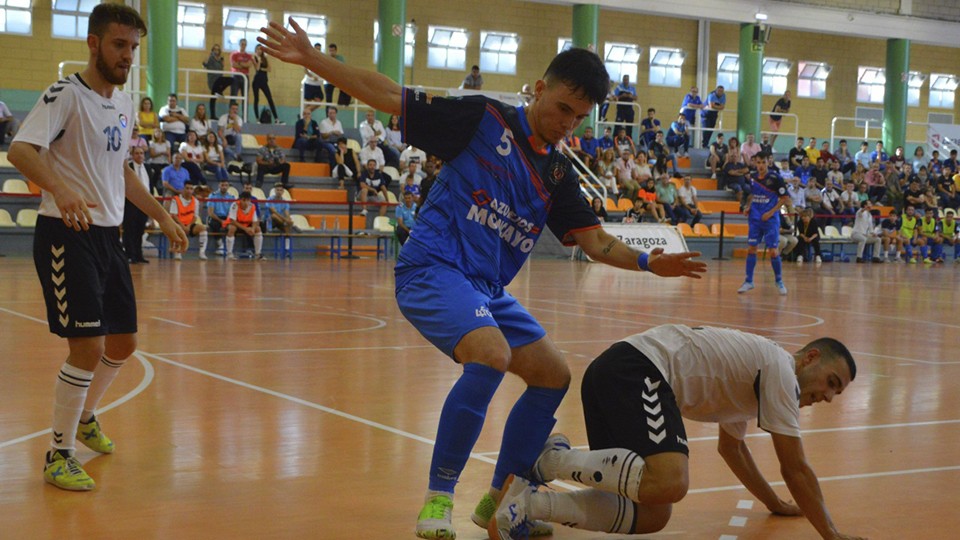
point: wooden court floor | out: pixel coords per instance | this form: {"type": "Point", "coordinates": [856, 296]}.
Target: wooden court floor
{"type": "Point", "coordinates": [292, 400]}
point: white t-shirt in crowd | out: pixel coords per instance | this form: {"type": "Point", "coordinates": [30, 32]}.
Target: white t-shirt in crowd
{"type": "Point", "coordinates": [230, 128]}
{"type": "Point", "coordinates": [415, 155]}
{"type": "Point", "coordinates": [201, 127]}
{"type": "Point", "coordinates": [175, 126]}
{"type": "Point", "coordinates": [687, 194]}
{"type": "Point", "coordinates": [194, 152]}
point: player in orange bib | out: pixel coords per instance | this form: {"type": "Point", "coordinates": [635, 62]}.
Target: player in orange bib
{"type": "Point", "coordinates": [184, 209]}
{"type": "Point", "coordinates": [243, 217]}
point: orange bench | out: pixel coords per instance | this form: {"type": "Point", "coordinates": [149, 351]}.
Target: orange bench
{"type": "Point", "coordinates": [730, 207]}
{"type": "Point", "coordinates": [333, 222]}
{"type": "Point", "coordinates": [708, 184]}
{"type": "Point", "coordinates": [309, 169]}
{"type": "Point", "coordinates": [323, 196]}
{"type": "Point", "coordinates": [283, 141]}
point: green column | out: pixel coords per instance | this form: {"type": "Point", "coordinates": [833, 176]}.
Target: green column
{"type": "Point", "coordinates": [392, 17]}
{"type": "Point", "coordinates": [161, 50]}
{"type": "Point", "coordinates": [895, 94]}
{"type": "Point", "coordinates": [586, 24]}
{"type": "Point", "coordinates": [748, 95]}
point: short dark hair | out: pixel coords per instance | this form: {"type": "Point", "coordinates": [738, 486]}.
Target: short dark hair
{"type": "Point", "coordinates": [342, 140]}
{"type": "Point", "coordinates": [581, 70]}
{"type": "Point", "coordinates": [331, 107]}
{"type": "Point", "coordinates": [334, 45]}
{"type": "Point", "coordinates": [843, 141]}
{"type": "Point", "coordinates": [761, 155]}
{"type": "Point", "coordinates": [245, 195]}
{"type": "Point", "coordinates": [173, 95]}
{"type": "Point", "coordinates": [475, 67]}
{"type": "Point", "coordinates": [835, 350]}
{"type": "Point", "coordinates": [104, 14]}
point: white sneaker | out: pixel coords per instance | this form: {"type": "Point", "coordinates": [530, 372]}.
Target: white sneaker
{"type": "Point", "coordinates": [177, 257]}
{"type": "Point", "coordinates": [799, 259]}
{"type": "Point", "coordinates": [511, 521]}
{"type": "Point", "coordinates": [203, 255]}
{"type": "Point", "coordinates": [782, 288]}
{"type": "Point", "coordinates": [231, 257]}
{"type": "Point", "coordinates": [747, 286]}
{"type": "Point", "coordinates": [434, 521]}
{"type": "Point", "coordinates": [817, 259]}
{"type": "Point", "coordinates": [713, 176]}
{"type": "Point", "coordinates": [542, 471]}
{"type": "Point", "coordinates": [363, 212]}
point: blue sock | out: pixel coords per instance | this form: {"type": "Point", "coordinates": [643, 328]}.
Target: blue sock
{"type": "Point", "coordinates": [938, 251]}
{"type": "Point", "coordinates": [528, 427]}
{"type": "Point", "coordinates": [909, 249]}
{"type": "Point", "coordinates": [777, 265]}
{"type": "Point", "coordinates": [460, 423]}
{"type": "Point", "coordinates": [751, 264]}
{"type": "Point", "coordinates": [923, 252]}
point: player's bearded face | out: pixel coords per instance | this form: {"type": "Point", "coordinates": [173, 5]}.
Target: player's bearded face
{"type": "Point", "coordinates": [115, 53]}
{"type": "Point", "coordinates": [114, 72]}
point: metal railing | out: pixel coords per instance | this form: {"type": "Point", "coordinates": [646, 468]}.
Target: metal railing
{"type": "Point", "coordinates": [355, 104]}
{"type": "Point", "coordinates": [602, 123]}
{"type": "Point", "coordinates": [872, 131]}
{"type": "Point", "coordinates": [589, 180]}
{"type": "Point", "coordinates": [138, 93]}
{"type": "Point", "coordinates": [782, 132]}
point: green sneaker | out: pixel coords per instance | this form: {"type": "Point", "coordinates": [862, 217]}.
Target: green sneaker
{"type": "Point", "coordinates": [487, 507]}
{"type": "Point", "coordinates": [64, 471]}
{"type": "Point", "coordinates": [93, 438]}
{"type": "Point", "coordinates": [435, 520]}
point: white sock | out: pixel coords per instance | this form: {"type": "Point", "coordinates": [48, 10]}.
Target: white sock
{"type": "Point", "coordinates": [69, 393]}
{"type": "Point", "coordinates": [587, 509]}
{"type": "Point", "coordinates": [104, 374]}
{"type": "Point", "coordinates": [615, 470]}
{"type": "Point", "coordinates": [257, 243]}
{"type": "Point", "coordinates": [230, 241]}
{"type": "Point", "coordinates": [203, 241]}
{"type": "Point", "coordinates": [431, 494]}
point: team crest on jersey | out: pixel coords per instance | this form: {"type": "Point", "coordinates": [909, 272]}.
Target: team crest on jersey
{"type": "Point", "coordinates": [558, 170]}
{"type": "Point", "coordinates": [123, 120]}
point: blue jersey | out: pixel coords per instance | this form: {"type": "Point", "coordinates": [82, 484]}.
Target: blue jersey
{"type": "Point", "coordinates": [494, 194]}
{"type": "Point", "coordinates": [766, 193]}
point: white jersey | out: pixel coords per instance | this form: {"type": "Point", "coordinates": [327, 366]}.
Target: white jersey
{"type": "Point", "coordinates": [726, 376]}
{"type": "Point", "coordinates": [84, 137]}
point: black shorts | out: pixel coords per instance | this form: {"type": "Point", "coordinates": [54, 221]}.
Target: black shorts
{"type": "Point", "coordinates": [85, 279]}
{"type": "Point", "coordinates": [312, 92]}
{"type": "Point", "coordinates": [628, 404]}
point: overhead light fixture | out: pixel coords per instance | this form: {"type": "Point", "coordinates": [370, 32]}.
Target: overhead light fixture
{"type": "Point", "coordinates": [761, 16]}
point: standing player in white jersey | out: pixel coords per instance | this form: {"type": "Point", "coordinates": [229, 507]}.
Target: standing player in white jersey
{"type": "Point", "coordinates": [73, 145]}
{"type": "Point", "coordinates": [634, 395]}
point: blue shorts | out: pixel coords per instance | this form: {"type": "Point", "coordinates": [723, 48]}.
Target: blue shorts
{"type": "Point", "coordinates": [768, 231]}
{"type": "Point", "coordinates": [444, 305]}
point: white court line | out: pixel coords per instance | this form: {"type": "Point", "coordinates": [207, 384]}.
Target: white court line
{"type": "Point", "coordinates": [314, 349]}
{"type": "Point", "coordinates": [178, 323]}
{"type": "Point", "coordinates": [838, 478]}
{"type": "Point", "coordinates": [745, 504]}
{"type": "Point", "coordinates": [738, 521]}
{"type": "Point", "coordinates": [728, 537]}
{"type": "Point", "coordinates": [22, 316]}
{"type": "Point", "coordinates": [148, 374]}
{"type": "Point", "coordinates": [378, 323]}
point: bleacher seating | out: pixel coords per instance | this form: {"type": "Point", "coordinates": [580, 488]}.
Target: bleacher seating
{"type": "Point", "coordinates": [5, 219]}
{"type": "Point", "coordinates": [27, 217]}
{"type": "Point", "coordinates": [16, 186]}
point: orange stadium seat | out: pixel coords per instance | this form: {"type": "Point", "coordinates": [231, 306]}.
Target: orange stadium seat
{"type": "Point", "coordinates": [309, 169]}
{"type": "Point", "coordinates": [685, 230]}
{"type": "Point", "coordinates": [702, 231]}
{"type": "Point", "coordinates": [624, 204]}
{"type": "Point", "coordinates": [708, 184]}
{"type": "Point", "coordinates": [611, 206]}
{"type": "Point", "coordinates": [322, 196]}
{"type": "Point", "coordinates": [715, 231]}
{"type": "Point", "coordinates": [730, 207]}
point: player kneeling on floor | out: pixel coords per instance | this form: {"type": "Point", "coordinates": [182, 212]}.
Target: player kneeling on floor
{"type": "Point", "coordinates": [634, 397]}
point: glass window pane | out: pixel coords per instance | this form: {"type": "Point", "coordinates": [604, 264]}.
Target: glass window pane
{"type": "Point", "coordinates": [488, 61]}
{"type": "Point", "coordinates": [408, 55]}
{"type": "Point", "coordinates": [457, 59]}
{"type": "Point", "coordinates": [508, 63]}
{"type": "Point", "coordinates": [458, 39]}
{"type": "Point", "coordinates": [65, 5]}
{"type": "Point", "coordinates": [25, 4]}
{"type": "Point", "coordinates": [436, 57]}
{"type": "Point", "coordinates": [194, 38]}
{"type": "Point", "coordinates": [233, 17]}
{"type": "Point", "coordinates": [631, 55]}
{"type": "Point", "coordinates": [64, 25]}
{"type": "Point", "coordinates": [87, 6]}
{"type": "Point", "coordinates": [18, 22]}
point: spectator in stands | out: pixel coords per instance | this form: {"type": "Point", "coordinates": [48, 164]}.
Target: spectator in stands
{"type": "Point", "coordinates": [820, 172]}
{"type": "Point", "coordinates": [346, 164]}
{"type": "Point", "coordinates": [244, 218]}
{"type": "Point", "coordinates": [184, 208]}
{"type": "Point", "coordinates": [623, 142]}
{"type": "Point", "coordinates": [923, 176]}
{"type": "Point", "coordinates": [138, 141]}
{"type": "Point", "coordinates": [813, 197]}
{"type": "Point", "coordinates": [849, 201]}
{"type": "Point", "coordinates": [788, 236]}
{"type": "Point", "coordinates": [648, 192]}
{"type": "Point", "coordinates": [835, 175]}
{"type": "Point", "coordinates": [931, 244]}
{"type": "Point", "coordinates": [863, 234]}
{"type": "Point", "coordinates": [607, 140]}
{"type": "Point", "coordinates": [331, 129]}
{"type": "Point", "coordinates": [412, 172]}
{"type": "Point", "coordinates": [952, 161]}
{"type": "Point", "coordinates": [781, 106]}
{"type": "Point", "coordinates": [812, 151]}
{"type": "Point", "coordinates": [261, 82]}
{"type": "Point", "coordinates": [862, 157]}
{"type": "Point", "coordinates": [826, 155]}
{"type": "Point", "coordinates": [717, 157]}
{"type": "Point", "coordinates": [271, 159]}
{"type": "Point", "coordinates": [213, 157]}
{"type": "Point", "coordinates": [890, 235]}
{"type": "Point", "coordinates": [430, 168]}
{"type": "Point", "coordinates": [808, 235]}
{"type": "Point", "coordinates": [372, 184]}
{"type": "Point", "coordinates": [784, 170]}
{"type": "Point", "coordinates": [735, 172]}
{"type": "Point", "coordinates": [240, 63]}
{"type": "Point", "coordinates": [200, 124]}
{"type": "Point", "coordinates": [830, 199]}
{"type": "Point", "coordinates": [218, 208]}
{"type": "Point", "coordinates": [897, 159]}
{"type": "Point", "coordinates": [716, 102]}
{"type": "Point", "coordinates": [411, 154]}
{"type": "Point", "coordinates": [307, 136]}
{"type": "Point", "coordinates": [649, 127]}
{"type": "Point", "coordinates": [193, 160]}
{"type": "Point", "coordinates": [950, 234]}
{"type": "Point", "coordinates": [947, 188]}
{"type": "Point", "coordinates": [373, 151]}
{"type": "Point", "coordinates": [526, 94]}
{"type": "Point", "coordinates": [173, 122]}
{"type": "Point", "coordinates": [679, 137]}
{"type": "Point", "coordinates": [930, 199]}
{"type": "Point", "coordinates": [604, 170]}
{"type": "Point", "coordinates": [858, 175]}
{"type": "Point", "coordinates": [879, 155]}
{"type": "Point", "coordinates": [626, 94]}
{"type": "Point", "coordinates": [797, 153]}
{"type": "Point", "coordinates": [798, 195]}
{"type": "Point", "coordinates": [689, 207]}
{"type": "Point", "coordinates": [765, 146]}
{"type": "Point", "coordinates": [877, 184]}
{"type": "Point", "coordinates": [134, 219]}
{"type": "Point", "coordinates": [690, 105]}
{"type": "Point", "coordinates": [473, 80]}
{"type": "Point", "coordinates": [328, 88]}
{"type": "Point", "coordinates": [406, 215]}
{"type": "Point", "coordinates": [847, 163]}
{"type": "Point", "coordinates": [805, 171]}
{"type": "Point", "coordinates": [230, 129]}
{"type": "Point", "coordinates": [279, 210]}
{"type": "Point", "coordinates": [750, 148]}
{"type": "Point", "coordinates": [394, 137]}
{"type": "Point", "coordinates": [371, 127]}
{"type": "Point", "coordinates": [625, 170]}
{"type": "Point", "coordinates": [658, 150]}
{"type": "Point", "coordinates": [160, 157]}
{"type": "Point", "coordinates": [147, 119]}
{"type": "Point", "coordinates": [599, 209]}
{"type": "Point", "coordinates": [635, 214]}
{"type": "Point", "coordinates": [589, 147]}
{"type": "Point", "coordinates": [313, 85]}
{"type": "Point", "coordinates": [862, 192]}
{"type": "Point", "coordinates": [667, 198]}
{"type": "Point", "coordinates": [8, 124]}
{"type": "Point", "coordinates": [218, 82]}
{"type": "Point", "coordinates": [410, 183]}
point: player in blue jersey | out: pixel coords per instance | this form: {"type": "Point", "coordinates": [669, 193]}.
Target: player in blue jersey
{"type": "Point", "coordinates": [503, 181]}
{"type": "Point", "coordinates": [767, 194]}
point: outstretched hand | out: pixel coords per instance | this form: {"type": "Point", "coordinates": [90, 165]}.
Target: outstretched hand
{"type": "Point", "coordinates": [292, 47]}
{"type": "Point", "coordinates": [676, 264]}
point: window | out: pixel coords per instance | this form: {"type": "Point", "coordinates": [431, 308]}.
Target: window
{"type": "Point", "coordinates": [728, 71]}
{"type": "Point", "coordinates": [812, 79]}
{"type": "Point", "coordinates": [409, 40]}
{"type": "Point", "coordinates": [665, 66]}
{"type": "Point", "coordinates": [621, 59]}
{"type": "Point", "coordinates": [70, 17]}
{"type": "Point", "coordinates": [942, 89]}
{"type": "Point", "coordinates": [564, 44]}
{"type": "Point", "coordinates": [870, 81]}
{"type": "Point", "coordinates": [939, 118]}
{"type": "Point", "coordinates": [314, 25]}
{"type": "Point", "coordinates": [774, 79]}
{"type": "Point", "coordinates": [15, 17]}
{"type": "Point", "coordinates": [447, 48]}
{"type": "Point", "coordinates": [242, 23]}
{"type": "Point", "coordinates": [498, 52]}
{"type": "Point", "coordinates": [914, 84]}
{"type": "Point", "coordinates": [875, 116]}
{"type": "Point", "coordinates": [191, 25]}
